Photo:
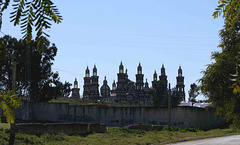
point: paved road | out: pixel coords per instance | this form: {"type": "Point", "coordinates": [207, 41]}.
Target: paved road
{"type": "Point", "coordinates": [227, 140]}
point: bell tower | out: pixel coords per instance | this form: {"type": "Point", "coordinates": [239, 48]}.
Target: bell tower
{"type": "Point", "coordinates": [87, 84]}
{"type": "Point", "coordinates": [122, 82]}
{"type": "Point", "coordinates": [94, 93]}
{"type": "Point", "coordinates": [154, 78]}
{"type": "Point", "coordinates": [75, 90]}
{"type": "Point", "coordinates": [180, 84]}
{"type": "Point", "coordinates": [139, 78]}
{"type": "Point", "coordinates": [163, 75]}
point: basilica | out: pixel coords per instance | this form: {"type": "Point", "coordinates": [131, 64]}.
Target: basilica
{"type": "Point", "coordinates": [124, 89]}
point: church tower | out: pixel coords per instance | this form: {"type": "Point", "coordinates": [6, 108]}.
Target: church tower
{"type": "Point", "coordinates": [180, 84]}
{"type": "Point", "coordinates": [75, 90]}
{"type": "Point", "coordinates": [163, 74]}
{"type": "Point", "coordinates": [114, 87]}
{"type": "Point", "coordinates": [154, 78]}
{"type": "Point", "coordinates": [94, 94]}
{"type": "Point", "coordinates": [87, 85]}
{"type": "Point", "coordinates": [122, 82]}
{"type": "Point", "coordinates": [139, 78]}
{"type": "Point", "coordinates": [146, 86]}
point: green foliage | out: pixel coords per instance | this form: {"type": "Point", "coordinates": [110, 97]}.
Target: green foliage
{"type": "Point", "coordinates": [175, 97]}
{"type": "Point", "coordinates": [173, 128]}
{"type": "Point", "coordinates": [134, 131]}
{"type": "Point", "coordinates": [228, 9]}
{"type": "Point", "coordinates": [160, 94]}
{"type": "Point", "coordinates": [216, 82]}
{"type": "Point", "coordinates": [9, 102]}
{"type": "Point", "coordinates": [193, 92]}
{"type": "Point", "coordinates": [190, 129]}
{"type": "Point", "coordinates": [39, 76]}
{"type": "Point", "coordinates": [31, 14]}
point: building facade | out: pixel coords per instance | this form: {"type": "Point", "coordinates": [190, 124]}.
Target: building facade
{"type": "Point", "coordinates": [125, 89]}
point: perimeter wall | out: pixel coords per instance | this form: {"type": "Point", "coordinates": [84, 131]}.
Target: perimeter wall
{"type": "Point", "coordinates": [118, 116]}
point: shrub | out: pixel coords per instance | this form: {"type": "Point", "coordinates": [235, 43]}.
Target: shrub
{"type": "Point", "coordinates": [190, 129]}
{"type": "Point", "coordinates": [173, 128]}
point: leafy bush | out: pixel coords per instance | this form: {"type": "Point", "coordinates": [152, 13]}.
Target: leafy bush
{"type": "Point", "coordinates": [29, 139]}
{"type": "Point", "coordinates": [190, 129]}
{"type": "Point", "coordinates": [57, 137]}
{"type": "Point", "coordinates": [173, 128]}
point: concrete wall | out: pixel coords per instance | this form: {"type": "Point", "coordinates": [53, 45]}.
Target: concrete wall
{"type": "Point", "coordinates": [119, 116]}
{"type": "Point", "coordinates": [54, 128]}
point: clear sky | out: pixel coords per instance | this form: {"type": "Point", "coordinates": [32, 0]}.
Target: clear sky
{"type": "Point", "coordinates": [153, 32]}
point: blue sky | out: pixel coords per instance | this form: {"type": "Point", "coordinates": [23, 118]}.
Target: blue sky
{"type": "Point", "coordinates": [153, 32]}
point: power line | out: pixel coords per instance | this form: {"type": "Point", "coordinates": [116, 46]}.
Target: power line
{"type": "Point", "coordinates": [3, 33]}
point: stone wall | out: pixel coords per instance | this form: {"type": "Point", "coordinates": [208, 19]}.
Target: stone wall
{"type": "Point", "coordinates": [118, 116]}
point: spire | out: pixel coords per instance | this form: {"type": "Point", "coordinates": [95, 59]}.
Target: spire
{"type": "Point", "coordinates": [163, 70]}
{"type": "Point", "coordinates": [105, 81]}
{"type": "Point", "coordinates": [113, 85]}
{"type": "Point", "coordinates": [75, 83]}
{"type": "Point", "coordinates": [121, 68]}
{"type": "Point", "coordinates": [155, 76]}
{"type": "Point", "coordinates": [139, 69]}
{"type": "Point", "coordinates": [126, 71]}
{"type": "Point", "coordinates": [87, 73]}
{"type": "Point", "coordinates": [94, 70]}
{"type": "Point", "coordinates": [180, 71]}
{"type": "Point", "coordinates": [146, 84]}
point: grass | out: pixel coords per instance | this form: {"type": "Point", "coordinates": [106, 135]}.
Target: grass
{"type": "Point", "coordinates": [116, 135]}
{"type": "Point", "coordinates": [4, 126]}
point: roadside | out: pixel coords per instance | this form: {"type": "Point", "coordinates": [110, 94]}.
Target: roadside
{"type": "Point", "coordinates": [226, 140]}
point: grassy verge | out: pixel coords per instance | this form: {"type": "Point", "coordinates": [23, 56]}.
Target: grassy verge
{"type": "Point", "coordinates": [116, 135]}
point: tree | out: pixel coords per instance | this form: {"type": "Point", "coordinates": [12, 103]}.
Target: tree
{"type": "Point", "coordinates": [44, 84]}
{"type": "Point", "coordinates": [9, 102]}
{"type": "Point", "coordinates": [159, 92]}
{"type": "Point", "coordinates": [175, 97]}
{"type": "Point", "coordinates": [216, 82]}
{"type": "Point", "coordinates": [31, 14]}
{"type": "Point", "coordinates": [193, 92]}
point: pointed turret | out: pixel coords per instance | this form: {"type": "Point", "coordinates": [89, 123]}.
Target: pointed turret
{"type": "Point", "coordinates": [75, 90]}
{"type": "Point", "coordinates": [75, 83]}
{"type": "Point", "coordinates": [105, 81]}
{"type": "Point", "coordinates": [180, 71]}
{"type": "Point", "coordinates": [146, 84]}
{"type": "Point", "coordinates": [94, 70]}
{"type": "Point", "coordinates": [139, 69]}
{"type": "Point", "coordinates": [113, 85]}
{"type": "Point", "coordinates": [155, 76]}
{"type": "Point", "coordinates": [163, 73]}
{"type": "Point", "coordinates": [87, 72]}
{"type": "Point", "coordinates": [121, 68]}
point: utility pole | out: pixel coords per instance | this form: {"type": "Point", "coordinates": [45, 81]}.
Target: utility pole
{"type": "Point", "coordinates": [169, 108]}
{"type": "Point", "coordinates": [12, 128]}
{"type": "Point", "coordinates": [28, 70]}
